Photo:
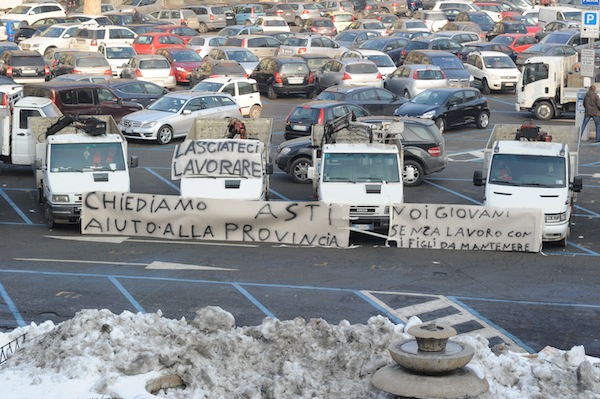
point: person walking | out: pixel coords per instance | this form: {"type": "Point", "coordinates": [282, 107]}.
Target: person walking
{"type": "Point", "coordinates": [591, 104]}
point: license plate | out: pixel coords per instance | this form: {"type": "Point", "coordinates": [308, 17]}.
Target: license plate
{"type": "Point", "coordinates": [295, 81]}
{"type": "Point", "coordinates": [28, 71]}
{"type": "Point", "coordinates": [300, 127]}
{"type": "Point", "coordinates": [286, 51]}
{"type": "Point", "coordinates": [363, 226]}
{"type": "Point", "coordinates": [509, 84]}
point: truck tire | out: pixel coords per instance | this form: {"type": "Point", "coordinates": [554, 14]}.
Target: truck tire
{"type": "Point", "coordinates": [410, 165]}
{"type": "Point", "coordinates": [164, 134]}
{"type": "Point", "coordinates": [299, 170]}
{"type": "Point", "coordinates": [543, 110]}
{"type": "Point", "coordinates": [49, 219]}
{"type": "Point", "coordinates": [483, 120]}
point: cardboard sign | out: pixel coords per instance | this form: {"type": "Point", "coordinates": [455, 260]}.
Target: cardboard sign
{"type": "Point", "coordinates": [466, 227]}
{"type": "Point", "coordinates": [173, 217]}
{"type": "Point", "coordinates": [218, 158]}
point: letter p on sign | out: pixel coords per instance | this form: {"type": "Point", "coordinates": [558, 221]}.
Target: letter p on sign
{"type": "Point", "coordinates": [590, 27]}
{"type": "Point", "coordinates": [590, 18]}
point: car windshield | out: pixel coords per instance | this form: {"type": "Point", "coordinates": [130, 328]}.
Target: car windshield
{"type": "Point", "coordinates": [498, 62]}
{"type": "Point", "coordinates": [91, 62]}
{"type": "Point", "coordinates": [381, 60]}
{"type": "Point", "coordinates": [503, 39]}
{"type": "Point", "coordinates": [528, 170]}
{"type": "Point", "coordinates": [431, 97]}
{"type": "Point", "coordinates": [573, 15]}
{"type": "Point", "coordinates": [20, 10]}
{"type": "Point", "coordinates": [119, 52]}
{"type": "Point", "coordinates": [295, 41]}
{"type": "Point", "coordinates": [361, 167]}
{"type": "Point", "coordinates": [185, 56]}
{"type": "Point", "coordinates": [557, 38]}
{"type": "Point", "coordinates": [331, 95]}
{"type": "Point", "coordinates": [483, 18]}
{"type": "Point", "coordinates": [415, 25]}
{"type": "Point", "coordinates": [373, 25]}
{"type": "Point", "coordinates": [52, 32]}
{"type": "Point", "coordinates": [168, 104]}
{"type": "Point", "coordinates": [208, 86]}
{"type": "Point", "coordinates": [27, 61]}
{"type": "Point", "coordinates": [154, 64]}
{"type": "Point", "coordinates": [78, 157]}
{"type": "Point", "coordinates": [242, 56]}
{"type": "Point", "coordinates": [447, 62]}
{"type": "Point", "coordinates": [361, 68]}
{"type": "Point", "coordinates": [315, 63]}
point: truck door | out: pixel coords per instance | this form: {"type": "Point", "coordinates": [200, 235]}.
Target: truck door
{"type": "Point", "coordinates": [23, 141]}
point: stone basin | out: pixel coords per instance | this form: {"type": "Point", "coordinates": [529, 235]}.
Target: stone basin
{"type": "Point", "coordinates": [454, 356]}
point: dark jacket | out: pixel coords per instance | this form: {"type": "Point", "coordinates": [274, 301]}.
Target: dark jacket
{"type": "Point", "coordinates": [591, 103]}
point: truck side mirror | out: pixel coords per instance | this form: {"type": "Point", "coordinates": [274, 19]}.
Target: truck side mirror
{"type": "Point", "coordinates": [269, 170]}
{"type": "Point", "coordinates": [133, 161]}
{"type": "Point", "coordinates": [577, 184]}
{"type": "Point", "coordinates": [478, 179]}
{"type": "Point", "coordinates": [39, 164]}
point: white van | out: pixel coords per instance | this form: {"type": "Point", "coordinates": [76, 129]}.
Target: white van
{"type": "Point", "coordinates": [549, 14]}
{"type": "Point", "coordinates": [243, 90]}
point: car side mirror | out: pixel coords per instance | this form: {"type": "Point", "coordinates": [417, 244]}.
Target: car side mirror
{"type": "Point", "coordinates": [67, 36]}
{"type": "Point", "coordinates": [186, 112]}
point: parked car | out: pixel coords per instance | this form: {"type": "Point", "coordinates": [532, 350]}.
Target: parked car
{"type": "Point", "coordinates": [172, 115]}
{"type": "Point", "coordinates": [491, 46]}
{"type": "Point", "coordinates": [247, 13]}
{"type": "Point", "coordinates": [5, 46]}
{"type": "Point", "coordinates": [117, 56]}
{"type": "Point", "coordinates": [530, 24]}
{"type": "Point", "coordinates": [460, 37]}
{"type": "Point", "coordinates": [376, 100]}
{"type": "Point", "coordinates": [392, 46]}
{"type": "Point", "coordinates": [210, 68]}
{"type": "Point", "coordinates": [235, 30]}
{"type": "Point", "coordinates": [571, 37]}
{"type": "Point", "coordinates": [337, 6]}
{"type": "Point", "coordinates": [124, 18]}
{"type": "Point", "coordinates": [142, 6]}
{"type": "Point", "coordinates": [404, 24]}
{"type": "Point", "coordinates": [59, 35]}
{"type": "Point", "coordinates": [32, 11]}
{"type": "Point", "coordinates": [245, 57]}
{"type": "Point", "coordinates": [210, 17]}
{"type": "Point", "coordinates": [277, 76]}
{"type": "Point", "coordinates": [442, 43]}
{"type": "Point", "coordinates": [152, 68]}
{"type": "Point", "coordinates": [504, 9]}
{"type": "Point", "coordinates": [272, 24]}
{"type": "Point", "coordinates": [148, 43]}
{"type": "Point", "coordinates": [493, 70]}
{"type": "Point", "coordinates": [503, 27]}
{"type": "Point", "coordinates": [183, 61]}
{"type": "Point", "coordinates": [81, 62]}
{"type": "Point", "coordinates": [82, 98]}
{"type": "Point", "coordinates": [178, 17]}
{"type": "Point", "coordinates": [202, 44]}
{"type": "Point", "coordinates": [481, 18]}
{"type": "Point", "coordinates": [184, 32]}
{"type": "Point", "coordinates": [82, 77]}
{"type": "Point", "coordinates": [348, 71]}
{"type": "Point", "coordinates": [516, 41]}
{"type": "Point", "coordinates": [302, 43]}
{"type": "Point", "coordinates": [434, 20]}
{"type": "Point", "coordinates": [386, 19]}
{"type": "Point", "coordinates": [341, 19]}
{"type": "Point", "coordinates": [453, 68]}
{"type": "Point", "coordinates": [23, 66]}
{"type": "Point", "coordinates": [137, 91]}
{"type": "Point", "coordinates": [382, 61]}
{"type": "Point", "coordinates": [88, 38]}
{"type": "Point", "coordinates": [545, 49]}
{"type": "Point", "coordinates": [314, 61]}
{"type": "Point", "coordinates": [321, 25]}
{"type": "Point", "coordinates": [52, 56]}
{"type": "Point", "coordinates": [369, 24]}
{"type": "Point", "coordinates": [261, 45]}
{"type": "Point", "coordinates": [14, 32]}
{"type": "Point", "coordinates": [243, 90]}
{"type": "Point", "coordinates": [411, 80]}
{"type": "Point", "coordinates": [410, 34]}
{"type": "Point", "coordinates": [557, 25]}
{"type": "Point", "coordinates": [304, 11]}
{"type": "Point", "coordinates": [449, 107]}
{"type": "Point", "coordinates": [303, 117]}
{"type": "Point", "coordinates": [282, 10]}
{"type": "Point", "coordinates": [355, 37]}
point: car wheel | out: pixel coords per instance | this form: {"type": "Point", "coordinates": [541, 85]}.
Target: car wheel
{"type": "Point", "coordinates": [485, 88]}
{"type": "Point", "coordinates": [543, 110]}
{"type": "Point", "coordinates": [318, 87]}
{"type": "Point", "coordinates": [271, 92]}
{"type": "Point", "coordinates": [299, 170]}
{"type": "Point", "coordinates": [165, 134]}
{"type": "Point", "coordinates": [47, 51]}
{"type": "Point", "coordinates": [406, 94]}
{"type": "Point", "coordinates": [255, 112]}
{"type": "Point", "coordinates": [483, 120]}
{"type": "Point", "coordinates": [413, 173]}
{"type": "Point", "coordinates": [312, 94]}
{"type": "Point", "coordinates": [297, 21]}
{"type": "Point", "coordinates": [202, 28]}
{"type": "Point", "coordinates": [360, 15]}
{"type": "Point", "coordinates": [441, 124]}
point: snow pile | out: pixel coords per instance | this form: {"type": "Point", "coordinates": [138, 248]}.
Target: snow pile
{"type": "Point", "coordinates": [96, 351]}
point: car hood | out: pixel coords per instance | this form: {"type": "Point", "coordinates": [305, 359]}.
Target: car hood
{"type": "Point", "coordinates": [297, 143]}
{"type": "Point", "coordinates": [148, 115]}
{"type": "Point", "coordinates": [412, 109]}
{"type": "Point", "coordinates": [188, 66]}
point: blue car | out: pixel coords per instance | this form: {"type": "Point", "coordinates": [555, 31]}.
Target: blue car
{"type": "Point", "coordinates": [11, 28]}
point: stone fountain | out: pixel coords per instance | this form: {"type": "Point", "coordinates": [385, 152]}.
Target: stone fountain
{"type": "Point", "coordinates": [430, 366]}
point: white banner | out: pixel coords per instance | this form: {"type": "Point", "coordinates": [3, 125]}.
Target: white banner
{"type": "Point", "coordinates": [218, 158]}
{"type": "Point", "coordinates": [173, 217]}
{"type": "Point", "coordinates": [466, 227]}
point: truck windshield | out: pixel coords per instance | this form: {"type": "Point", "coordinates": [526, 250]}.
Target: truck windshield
{"type": "Point", "coordinates": [359, 168]}
{"type": "Point", "coordinates": [534, 72]}
{"type": "Point", "coordinates": [528, 170]}
{"type": "Point", "coordinates": [83, 157]}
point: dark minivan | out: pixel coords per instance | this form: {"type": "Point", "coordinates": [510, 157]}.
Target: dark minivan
{"type": "Point", "coordinates": [284, 75]}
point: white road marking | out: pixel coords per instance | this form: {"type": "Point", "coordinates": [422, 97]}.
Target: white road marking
{"type": "Point", "coordinates": [157, 265]}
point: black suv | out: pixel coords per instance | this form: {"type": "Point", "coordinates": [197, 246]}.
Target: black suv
{"type": "Point", "coordinates": [302, 117]}
{"type": "Point", "coordinates": [284, 75]}
{"type": "Point", "coordinates": [423, 145]}
{"type": "Point", "coordinates": [23, 66]}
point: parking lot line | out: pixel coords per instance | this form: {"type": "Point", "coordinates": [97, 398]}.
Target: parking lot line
{"type": "Point", "coordinates": [126, 294]}
{"type": "Point", "coordinates": [15, 207]}
{"type": "Point", "coordinates": [12, 307]}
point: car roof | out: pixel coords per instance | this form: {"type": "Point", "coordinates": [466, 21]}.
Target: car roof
{"type": "Point", "coordinates": [321, 104]}
{"type": "Point", "coordinates": [23, 53]}
{"type": "Point", "coordinates": [66, 84]}
{"type": "Point", "coordinates": [230, 79]}
{"type": "Point", "coordinates": [422, 66]}
{"type": "Point", "coordinates": [492, 53]}
{"type": "Point", "coordinates": [150, 56]}
{"type": "Point", "coordinates": [187, 94]}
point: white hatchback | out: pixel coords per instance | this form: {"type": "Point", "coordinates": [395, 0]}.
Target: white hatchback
{"type": "Point", "coordinates": [89, 38]}
{"type": "Point", "coordinates": [492, 70]}
{"type": "Point", "coordinates": [243, 90]}
{"type": "Point", "coordinates": [152, 68]}
{"type": "Point", "coordinates": [117, 55]}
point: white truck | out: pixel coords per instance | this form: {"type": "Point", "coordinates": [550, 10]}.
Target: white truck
{"type": "Point", "coordinates": [548, 86]}
{"type": "Point", "coordinates": [360, 165]}
{"type": "Point", "coordinates": [75, 155]}
{"type": "Point", "coordinates": [225, 159]}
{"type": "Point", "coordinates": [532, 166]}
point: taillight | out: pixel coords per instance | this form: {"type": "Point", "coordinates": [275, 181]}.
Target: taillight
{"type": "Point", "coordinates": [279, 12]}
{"type": "Point", "coordinates": [94, 42]}
{"type": "Point", "coordinates": [394, 4]}
{"type": "Point", "coordinates": [277, 77]}
{"type": "Point", "coordinates": [387, 32]}
{"type": "Point", "coordinates": [54, 63]}
{"type": "Point", "coordinates": [368, 7]}
{"type": "Point", "coordinates": [246, 75]}
{"type": "Point", "coordinates": [108, 72]}
{"type": "Point", "coordinates": [302, 50]}
{"type": "Point", "coordinates": [76, 71]}
{"type": "Point", "coordinates": [171, 72]}
{"type": "Point", "coordinates": [46, 70]}
{"type": "Point", "coordinates": [212, 17]}
{"type": "Point", "coordinates": [311, 78]}
{"type": "Point", "coordinates": [435, 151]}
{"type": "Point", "coordinates": [379, 76]}
{"type": "Point", "coordinates": [213, 76]}
{"type": "Point", "coordinates": [305, 12]}
{"type": "Point", "coordinates": [416, 75]}
{"type": "Point", "coordinates": [4, 101]}
{"type": "Point", "coordinates": [321, 119]}
{"type": "Point", "coordinates": [346, 76]}
{"type": "Point", "coordinates": [138, 73]}
{"type": "Point", "coordinates": [334, 30]}
{"type": "Point", "coordinates": [313, 28]}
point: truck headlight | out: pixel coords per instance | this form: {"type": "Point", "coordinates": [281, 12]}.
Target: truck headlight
{"type": "Point", "coordinates": [556, 217]}
{"type": "Point", "coordinates": [428, 114]}
{"type": "Point", "coordinates": [60, 198]}
{"type": "Point", "coordinates": [149, 124]}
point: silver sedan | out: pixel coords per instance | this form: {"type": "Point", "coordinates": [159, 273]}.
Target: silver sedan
{"type": "Point", "coordinates": [410, 80]}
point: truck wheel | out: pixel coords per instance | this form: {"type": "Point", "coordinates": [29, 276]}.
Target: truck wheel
{"type": "Point", "coordinates": [271, 92]}
{"type": "Point", "coordinates": [413, 173]}
{"type": "Point", "coordinates": [543, 110]}
{"type": "Point", "coordinates": [165, 135]}
{"type": "Point", "coordinates": [49, 219]}
{"type": "Point", "coordinates": [483, 120]}
{"type": "Point", "coordinates": [485, 88]}
{"type": "Point", "coordinates": [299, 170]}
{"type": "Point", "coordinates": [255, 112]}
{"type": "Point", "coordinates": [441, 124]}
{"type": "Point", "coordinates": [202, 28]}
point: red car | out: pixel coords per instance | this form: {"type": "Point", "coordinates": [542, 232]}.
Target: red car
{"type": "Point", "coordinates": [184, 32]}
{"type": "Point", "coordinates": [148, 43]}
{"type": "Point", "coordinates": [504, 9]}
{"type": "Point", "coordinates": [182, 60]}
{"type": "Point", "coordinates": [516, 41]}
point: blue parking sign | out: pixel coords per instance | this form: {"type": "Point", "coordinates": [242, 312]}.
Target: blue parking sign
{"type": "Point", "coordinates": [590, 2]}
{"type": "Point", "coordinates": [590, 18]}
